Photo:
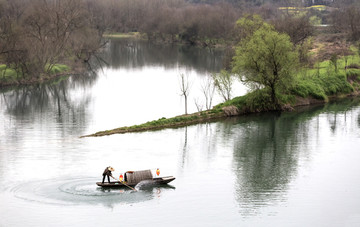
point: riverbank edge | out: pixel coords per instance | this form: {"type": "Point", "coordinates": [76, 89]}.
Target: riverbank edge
{"type": "Point", "coordinates": [129, 35]}
{"type": "Point", "coordinates": [74, 70]}
{"type": "Point", "coordinates": [34, 81]}
{"type": "Point", "coordinates": [169, 40]}
{"type": "Point", "coordinates": [214, 115]}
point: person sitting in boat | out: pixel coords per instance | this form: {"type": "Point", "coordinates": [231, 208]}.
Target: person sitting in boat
{"type": "Point", "coordinates": [107, 172]}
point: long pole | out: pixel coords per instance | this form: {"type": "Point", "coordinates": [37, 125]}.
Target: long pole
{"type": "Point", "coordinates": [125, 184]}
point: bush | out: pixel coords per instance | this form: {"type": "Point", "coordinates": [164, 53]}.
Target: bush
{"type": "Point", "coordinates": [322, 86]}
{"type": "Point", "coordinates": [306, 88]}
{"type": "Point", "coordinates": [353, 74]}
{"type": "Point", "coordinates": [7, 74]}
{"type": "Point", "coordinates": [58, 68]}
{"type": "Point", "coordinates": [256, 101]}
{"type": "Point", "coordinates": [259, 101]}
{"type": "Point", "coordinates": [335, 84]}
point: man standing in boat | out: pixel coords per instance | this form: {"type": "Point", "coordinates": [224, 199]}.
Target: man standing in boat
{"type": "Point", "coordinates": [107, 172]}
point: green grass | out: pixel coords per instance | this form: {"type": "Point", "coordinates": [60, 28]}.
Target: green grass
{"type": "Point", "coordinates": [353, 73]}
{"type": "Point", "coordinates": [322, 86]}
{"type": "Point", "coordinates": [327, 80]}
{"type": "Point", "coordinates": [256, 101]}
{"type": "Point", "coordinates": [305, 89]}
{"type": "Point", "coordinates": [166, 121]}
{"type": "Point", "coordinates": [157, 124]}
{"type": "Point", "coordinates": [11, 76]}
{"type": "Point", "coordinates": [163, 122]}
{"type": "Point", "coordinates": [7, 74]}
{"type": "Point", "coordinates": [59, 68]}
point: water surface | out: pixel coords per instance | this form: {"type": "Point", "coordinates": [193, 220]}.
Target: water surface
{"type": "Point", "coordinates": [290, 169]}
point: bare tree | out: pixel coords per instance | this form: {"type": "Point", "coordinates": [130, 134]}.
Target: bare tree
{"type": "Point", "coordinates": [198, 104]}
{"type": "Point", "coordinates": [35, 35]}
{"type": "Point", "coordinates": [184, 88]}
{"type": "Point", "coordinates": [49, 27]}
{"type": "Point", "coordinates": [208, 89]}
{"type": "Point", "coordinates": [298, 28]}
{"type": "Point", "coordinates": [345, 18]}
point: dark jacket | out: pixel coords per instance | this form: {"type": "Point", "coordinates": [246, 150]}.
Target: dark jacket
{"type": "Point", "coordinates": [107, 172]}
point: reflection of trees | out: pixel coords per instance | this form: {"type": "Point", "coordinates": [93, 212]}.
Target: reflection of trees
{"type": "Point", "coordinates": [205, 136]}
{"type": "Point", "coordinates": [208, 139]}
{"type": "Point", "coordinates": [267, 149]}
{"type": "Point", "coordinates": [264, 153]}
{"type": "Point", "coordinates": [185, 149]}
{"type": "Point", "coordinates": [51, 101]}
{"type": "Point", "coordinates": [338, 112]}
{"type": "Point", "coordinates": [135, 54]}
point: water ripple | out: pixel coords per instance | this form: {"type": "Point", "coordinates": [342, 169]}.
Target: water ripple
{"type": "Point", "coordinates": [76, 192]}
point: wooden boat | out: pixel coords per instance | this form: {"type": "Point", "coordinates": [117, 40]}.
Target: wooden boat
{"type": "Point", "coordinates": [155, 181]}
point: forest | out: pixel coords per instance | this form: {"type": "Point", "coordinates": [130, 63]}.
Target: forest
{"type": "Point", "coordinates": [40, 38]}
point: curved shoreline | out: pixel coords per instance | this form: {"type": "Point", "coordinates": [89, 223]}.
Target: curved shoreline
{"type": "Point", "coordinates": [35, 81]}
{"type": "Point", "coordinates": [186, 120]}
{"type": "Point", "coordinates": [209, 116]}
{"type": "Point", "coordinates": [71, 69]}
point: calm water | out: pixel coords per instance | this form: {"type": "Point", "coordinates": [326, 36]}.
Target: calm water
{"type": "Point", "coordinates": [290, 169]}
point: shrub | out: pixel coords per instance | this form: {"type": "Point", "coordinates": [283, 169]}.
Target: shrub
{"type": "Point", "coordinates": [256, 101]}
{"type": "Point", "coordinates": [353, 74]}
{"type": "Point", "coordinates": [335, 84]}
{"type": "Point", "coordinates": [7, 74]}
{"type": "Point", "coordinates": [58, 68]}
{"type": "Point", "coordinates": [305, 88]}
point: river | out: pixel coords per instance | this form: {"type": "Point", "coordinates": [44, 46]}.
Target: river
{"type": "Point", "coordinates": [291, 169]}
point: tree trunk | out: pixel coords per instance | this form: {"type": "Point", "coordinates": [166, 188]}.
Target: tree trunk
{"type": "Point", "coordinates": [273, 97]}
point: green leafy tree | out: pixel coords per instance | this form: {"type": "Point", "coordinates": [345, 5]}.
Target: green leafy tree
{"type": "Point", "coordinates": [266, 59]}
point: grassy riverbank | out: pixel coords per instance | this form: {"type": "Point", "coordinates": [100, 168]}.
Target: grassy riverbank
{"type": "Point", "coordinates": [315, 85]}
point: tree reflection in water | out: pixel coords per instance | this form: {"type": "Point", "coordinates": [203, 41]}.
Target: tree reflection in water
{"type": "Point", "coordinates": [269, 146]}
{"type": "Point", "coordinates": [65, 100]}
{"type": "Point", "coordinates": [130, 54]}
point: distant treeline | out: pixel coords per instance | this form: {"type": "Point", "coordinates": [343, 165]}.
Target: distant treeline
{"type": "Point", "coordinates": [37, 34]}
{"type": "Point", "coordinates": [182, 20]}
{"type": "Point", "coordinates": [208, 20]}
{"type": "Point", "coordinates": [247, 3]}
{"type": "Point", "coordinates": [243, 3]}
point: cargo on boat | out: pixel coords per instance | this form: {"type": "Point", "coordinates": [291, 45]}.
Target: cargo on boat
{"type": "Point", "coordinates": [132, 178]}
